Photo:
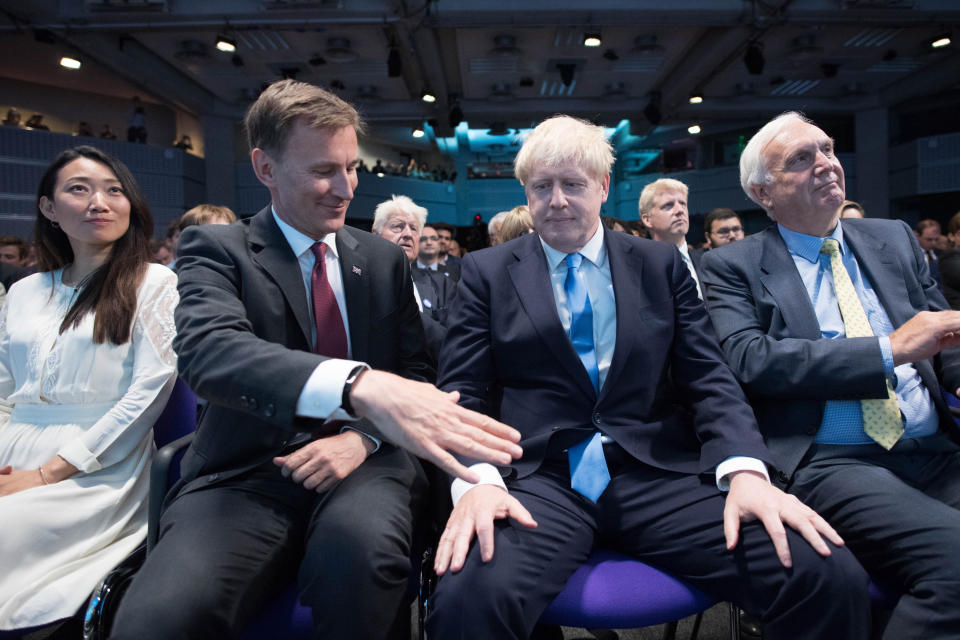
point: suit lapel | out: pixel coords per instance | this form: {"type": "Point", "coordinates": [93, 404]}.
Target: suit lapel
{"type": "Point", "coordinates": [535, 293]}
{"type": "Point", "coordinates": [272, 252]}
{"type": "Point", "coordinates": [781, 279]}
{"type": "Point", "coordinates": [882, 270]}
{"type": "Point", "coordinates": [356, 291]}
{"type": "Point", "coordinates": [626, 272]}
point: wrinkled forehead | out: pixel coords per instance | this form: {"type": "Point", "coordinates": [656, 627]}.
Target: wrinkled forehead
{"type": "Point", "coordinates": [794, 135]}
{"type": "Point", "coordinates": [402, 216]}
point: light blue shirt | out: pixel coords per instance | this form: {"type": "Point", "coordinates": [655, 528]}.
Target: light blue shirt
{"type": "Point", "coordinates": [595, 269]}
{"type": "Point", "coordinates": [842, 419]}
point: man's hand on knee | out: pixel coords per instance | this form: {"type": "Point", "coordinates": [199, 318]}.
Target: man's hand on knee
{"type": "Point", "coordinates": [476, 512]}
{"type": "Point", "coordinates": [752, 497]}
{"type": "Point", "coordinates": [320, 465]}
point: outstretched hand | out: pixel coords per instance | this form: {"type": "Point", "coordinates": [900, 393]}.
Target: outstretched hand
{"type": "Point", "coordinates": [752, 497]}
{"type": "Point", "coordinates": [430, 424]}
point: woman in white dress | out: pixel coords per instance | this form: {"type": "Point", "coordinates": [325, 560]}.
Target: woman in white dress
{"type": "Point", "coordinates": [86, 366]}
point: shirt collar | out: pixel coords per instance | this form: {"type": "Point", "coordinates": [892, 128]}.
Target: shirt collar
{"type": "Point", "coordinates": [807, 246]}
{"type": "Point", "coordinates": [593, 251]}
{"type": "Point", "coordinates": [684, 249]}
{"type": "Point", "coordinates": [299, 242]}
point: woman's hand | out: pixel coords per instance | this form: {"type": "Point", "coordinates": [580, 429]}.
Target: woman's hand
{"type": "Point", "coordinates": [12, 481]}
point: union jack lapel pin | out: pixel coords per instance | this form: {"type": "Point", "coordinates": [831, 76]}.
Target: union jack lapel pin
{"type": "Point", "coordinates": [357, 270]}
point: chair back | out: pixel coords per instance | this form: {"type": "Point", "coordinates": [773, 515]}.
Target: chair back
{"type": "Point", "coordinates": [179, 417]}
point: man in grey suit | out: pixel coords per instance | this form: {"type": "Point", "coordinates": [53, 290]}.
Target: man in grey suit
{"type": "Point", "coordinates": [842, 341]}
{"type": "Point", "coordinates": [289, 324]}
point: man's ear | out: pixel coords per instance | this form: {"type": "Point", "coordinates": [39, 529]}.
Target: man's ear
{"type": "Point", "coordinates": [605, 187]}
{"type": "Point", "coordinates": [761, 192]}
{"type": "Point", "coordinates": [264, 166]}
{"type": "Point", "coordinates": [645, 219]}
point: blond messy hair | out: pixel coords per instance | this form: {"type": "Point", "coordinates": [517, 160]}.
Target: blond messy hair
{"type": "Point", "coordinates": [565, 140]}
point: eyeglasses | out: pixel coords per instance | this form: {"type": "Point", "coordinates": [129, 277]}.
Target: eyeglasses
{"type": "Point", "coordinates": [726, 231]}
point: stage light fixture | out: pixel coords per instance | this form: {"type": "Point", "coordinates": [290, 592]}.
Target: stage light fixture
{"type": "Point", "coordinates": [226, 44]}
{"type": "Point", "coordinates": [427, 96]}
{"type": "Point", "coordinates": [754, 59]}
{"type": "Point", "coordinates": [592, 40]}
{"type": "Point", "coordinates": [394, 63]}
{"type": "Point", "coordinates": [418, 132]}
{"type": "Point", "coordinates": [694, 129]}
{"type": "Point", "coordinates": [455, 116]}
{"type": "Point", "coordinates": [69, 62]}
{"type": "Point", "coordinates": [940, 41]}
{"type": "Point", "coordinates": [696, 98]}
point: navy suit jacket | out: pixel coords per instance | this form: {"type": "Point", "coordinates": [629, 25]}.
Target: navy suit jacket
{"type": "Point", "coordinates": [771, 337]}
{"type": "Point", "coordinates": [669, 399]}
{"type": "Point", "coordinates": [244, 327]}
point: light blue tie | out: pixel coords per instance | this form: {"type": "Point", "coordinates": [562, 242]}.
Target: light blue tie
{"type": "Point", "coordinates": [589, 475]}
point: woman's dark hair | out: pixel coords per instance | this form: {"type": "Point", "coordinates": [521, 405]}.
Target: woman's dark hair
{"type": "Point", "coordinates": [111, 291]}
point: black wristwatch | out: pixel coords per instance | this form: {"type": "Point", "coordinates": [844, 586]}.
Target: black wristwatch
{"type": "Point", "coordinates": [345, 403]}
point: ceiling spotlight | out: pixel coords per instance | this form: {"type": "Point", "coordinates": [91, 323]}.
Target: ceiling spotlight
{"type": "Point", "coordinates": [940, 41]}
{"type": "Point", "coordinates": [317, 60]}
{"type": "Point", "coordinates": [427, 96]}
{"type": "Point", "coordinates": [610, 55]}
{"type": "Point", "coordinates": [695, 98]}
{"type": "Point", "coordinates": [394, 63]}
{"type": "Point", "coordinates": [225, 44]}
{"type": "Point", "coordinates": [566, 73]}
{"type": "Point", "coordinates": [592, 40]}
{"type": "Point", "coordinates": [70, 62]}
{"type": "Point", "coordinates": [652, 111]}
{"type": "Point", "coordinates": [418, 132]}
{"type": "Point", "coordinates": [694, 129]}
{"type": "Point", "coordinates": [338, 85]}
{"type": "Point", "coordinates": [754, 59]}
{"type": "Point", "coordinates": [455, 116]}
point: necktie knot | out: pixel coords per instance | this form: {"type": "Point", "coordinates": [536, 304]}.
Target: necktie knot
{"type": "Point", "coordinates": [573, 260]}
{"type": "Point", "coordinates": [319, 250]}
{"type": "Point", "coordinates": [830, 247]}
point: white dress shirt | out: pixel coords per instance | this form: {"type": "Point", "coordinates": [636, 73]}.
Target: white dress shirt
{"type": "Point", "coordinates": [323, 392]}
{"type": "Point", "coordinates": [685, 254]}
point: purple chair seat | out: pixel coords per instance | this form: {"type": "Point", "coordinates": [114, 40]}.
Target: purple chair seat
{"type": "Point", "coordinates": [283, 616]}
{"type": "Point", "coordinates": [612, 591]}
{"type": "Point", "coordinates": [883, 596]}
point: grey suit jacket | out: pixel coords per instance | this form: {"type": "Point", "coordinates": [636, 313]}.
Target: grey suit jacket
{"type": "Point", "coordinates": [243, 334]}
{"type": "Point", "coordinates": [771, 337]}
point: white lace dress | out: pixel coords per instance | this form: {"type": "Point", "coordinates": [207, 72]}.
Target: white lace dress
{"type": "Point", "coordinates": [94, 405]}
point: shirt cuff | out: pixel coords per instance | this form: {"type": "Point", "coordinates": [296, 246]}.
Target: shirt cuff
{"type": "Point", "coordinates": [376, 441]}
{"type": "Point", "coordinates": [887, 352]}
{"type": "Point", "coordinates": [77, 454]}
{"type": "Point", "coordinates": [488, 475]}
{"type": "Point", "coordinates": [738, 463]}
{"type": "Point", "coordinates": [323, 392]}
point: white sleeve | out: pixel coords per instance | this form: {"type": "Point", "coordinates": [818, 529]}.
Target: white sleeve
{"type": "Point", "coordinates": [488, 475]}
{"type": "Point", "coordinates": [129, 421]}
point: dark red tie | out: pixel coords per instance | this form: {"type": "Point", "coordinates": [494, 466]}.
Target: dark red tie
{"type": "Point", "coordinates": [331, 336]}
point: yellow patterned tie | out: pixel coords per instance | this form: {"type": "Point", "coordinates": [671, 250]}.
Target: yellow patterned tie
{"type": "Point", "coordinates": [881, 418]}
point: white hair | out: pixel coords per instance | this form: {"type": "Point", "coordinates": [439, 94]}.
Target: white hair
{"type": "Point", "coordinates": [495, 222]}
{"type": "Point", "coordinates": [398, 204]}
{"type": "Point", "coordinates": [753, 168]}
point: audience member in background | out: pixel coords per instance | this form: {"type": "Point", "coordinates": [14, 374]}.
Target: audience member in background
{"type": "Point", "coordinates": [949, 263]}
{"type": "Point", "coordinates": [36, 122]}
{"type": "Point", "coordinates": [400, 220]}
{"type": "Point", "coordinates": [137, 122]}
{"type": "Point", "coordinates": [378, 168]}
{"type": "Point", "coordinates": [614, 224]}
{"type": "Point", "coordinates": [446, 232]}
{"type": "Point", "coordinates": [455, 249]}
{"type": "Point", "coordinates": [429, 252]}
{"type": "Point", "coordinates": [84, 129]}
{"type": "Point", "coordinates": [851, 209]}
{"type": "Point", "coordinates": [10, 274]}
{"type": "Point", "coordinates": [75, 450]}
{"type": "Point", "coordinates": [637, 228]}
{"type": "Point", "coordinates": [493, 228]}
{"type": "Point", "coordinates": [516, 223]}
{"type": "Point", "coordinates": [634, 432]}
{"type": "Point", "coordinates": [202, 214]}
{"type": "Point", "coordinates": [277, 317]}
{"type": "Point", "coordinates": [663, 209]}
{"type": "Point", "coordinates": [159, 252]}
{"type": "Point", "coordinates": [13, 250]}
{"type": "Point", "coordinates": [927, 232]}
{"type": "Point", "coordinates": [839, 336]}
{"type": "Point", "coordinates": [31, 261]}
{"type": "Point", "coordinates": [107, 133]}
{"type": "Point", "coordinates": [722, 226]}
{"type": "Point", "coordinates": [172, 237]}
{"type": "Point", "coordinates": [184, 143]}
{"type": "Point", "coordinates": [12, 119]}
